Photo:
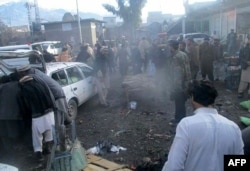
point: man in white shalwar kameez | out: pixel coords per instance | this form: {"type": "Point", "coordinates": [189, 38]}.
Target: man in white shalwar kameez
{"type": "Point", "coordinates": [39, 105]}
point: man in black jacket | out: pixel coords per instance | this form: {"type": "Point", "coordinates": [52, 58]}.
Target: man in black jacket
{"type": "Point", "coordinates": [38, 104]}
{"type": "Point", "coordinates": [61, 110]}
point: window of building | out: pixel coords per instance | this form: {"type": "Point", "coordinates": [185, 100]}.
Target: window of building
{"type": "Point", "coordinates": [66, 27]}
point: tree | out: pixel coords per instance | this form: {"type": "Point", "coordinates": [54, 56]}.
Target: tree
{"type": "Point", "coordinates": [68, 17]}
{"type": "Point", "coordinates": [128, 10]}
{"type": "Point", "coordinates": [5, 34]}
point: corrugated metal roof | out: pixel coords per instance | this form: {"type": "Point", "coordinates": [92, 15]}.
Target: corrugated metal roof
{"type": "Point", "coordinates": [74, 21]}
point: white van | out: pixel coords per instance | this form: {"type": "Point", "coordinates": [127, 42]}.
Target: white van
{"type": "Point", "coordinates": [53, 47]}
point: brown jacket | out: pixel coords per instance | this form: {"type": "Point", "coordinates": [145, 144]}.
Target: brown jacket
{"type": "Point", "coordinates": [193, 53]}
{"type": "Point", "coordinates": [64, 57]}
{"type": "Point", "coordinates": [206, 53]}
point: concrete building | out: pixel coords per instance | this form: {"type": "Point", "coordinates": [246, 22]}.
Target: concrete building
{"type": "Point", "coordinates": [220, 16]}
{"type": "Point", "coordinates": [231, 15]}
{"type": "Point", "coordinates": [110, 22]}
{"type": "Point", "coordinates": [23, 28]}
{"type": "Point", "coordinates": [157, 16]}
{"type": "Point", "coordinates": [68, 31]}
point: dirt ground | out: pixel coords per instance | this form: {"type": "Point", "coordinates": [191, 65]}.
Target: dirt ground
{"type": "Point", "coordinates": [145, 132]}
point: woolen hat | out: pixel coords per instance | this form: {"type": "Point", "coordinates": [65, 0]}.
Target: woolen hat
{"type": "Point", "coordinates": [174, 43]}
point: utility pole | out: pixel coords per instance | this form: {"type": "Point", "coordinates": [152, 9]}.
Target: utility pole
{"type": "Point", "coordinates": [184, 24]}
{"type": "Point", "coordinates": [37, 14]}
{"type": "Point", "coordinates": [221, 17]}
{"type": "Point", "coordinates": [79, 23]}
{"type": "Point", "coordinates": [28, 6]}
{"type": "Point", "coordinates": [186, 10]}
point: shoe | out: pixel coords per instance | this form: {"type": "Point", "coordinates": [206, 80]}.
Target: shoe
{"type": "Point", "coordinates": [47, 148]}
{"type": "Point", "coordinates": [240, 95]}
{"type": "Point", "coordinates": [39, 156]}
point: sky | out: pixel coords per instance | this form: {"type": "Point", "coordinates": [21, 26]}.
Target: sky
{"type": "Point", "coordinates": [95, 6]}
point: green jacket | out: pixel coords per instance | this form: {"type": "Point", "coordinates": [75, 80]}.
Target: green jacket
{"type": "Point", "coordinates": [180, 70]}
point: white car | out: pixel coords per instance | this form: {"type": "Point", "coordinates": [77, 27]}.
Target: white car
{"type": "Point", "coordinates": [74, 77]}
{"type": "Point", "coordinates": [76, 81]}
{"type": "Point", "coordinates": [197, 37]}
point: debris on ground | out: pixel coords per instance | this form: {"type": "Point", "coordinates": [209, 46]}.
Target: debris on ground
{"type": "Point", "coordinates": [120, 132]}
{"type": "Point", "coordinates": [245, 120]}
{"type": "Point", "coordinates": [138, 82]}
{"type": "Point", "coordinates": [117, 149]}
{"type": "Point", "coordinates": [151, 135]}
{"type": "Point", "coordinates": [152, 165]}
{"type": "Point", "coordinates": [132, 105]}
{"type": "Point", "coordinates": [104, 147]}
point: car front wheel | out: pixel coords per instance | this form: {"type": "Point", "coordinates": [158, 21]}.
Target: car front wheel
{"type": "Point", "coordinates": [72, 109]}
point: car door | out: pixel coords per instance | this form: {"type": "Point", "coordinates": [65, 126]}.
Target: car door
{"type": "Point", "coordinates": [91, 88]}
{"type": "Point", "coordinates": [61, 77]}
{"type": "Point", "coordinates": [77, 83]}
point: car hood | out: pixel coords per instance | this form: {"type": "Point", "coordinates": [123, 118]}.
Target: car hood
{"type": "Point", "coordinates": [13, 59]}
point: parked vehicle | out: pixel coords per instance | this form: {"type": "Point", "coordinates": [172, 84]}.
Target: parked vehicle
{"type": "Point", "coordinates": [197, 37]}
{"type": "Point", "coordinates": [53, 47]}
{"type": "Point", "coordinates": [76, 81]}
{"type": "Point", "coordinates": [74, 77]}
{"type": "Point", "coordinates": [16, 47]}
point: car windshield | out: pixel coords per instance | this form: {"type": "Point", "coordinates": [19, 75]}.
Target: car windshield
{"type": "Point", "coordinates": [45, 46]}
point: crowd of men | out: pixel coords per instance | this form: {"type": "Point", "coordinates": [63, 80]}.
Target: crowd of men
{"type": "Point", "coordinates": [176, 65]}
{"type": "Point", "coordinates": [206, 135]}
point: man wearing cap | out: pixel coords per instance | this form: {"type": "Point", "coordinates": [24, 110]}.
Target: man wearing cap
{"type": "Point", "coordinates": [180, 76]}
{"type": "Point", "coordinates": [38, 104]}
{"type": "Point", "coordinates": [206, 53]}
{"type": "Point", "coordinates": [61, 112]}
{"type": "Point", "coordinates": [202, 140]}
